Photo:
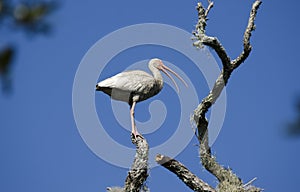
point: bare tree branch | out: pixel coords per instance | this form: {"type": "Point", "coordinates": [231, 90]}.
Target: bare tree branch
{"type": "Point", "coordinates": [203, 39]}
{"type": "Point", "coordinates": [228, 181]}
{"type": "Point", "coordinates": [247, 46]}
{"type": "Point", "coordinates": [228, 65]}
{"type": "Point", "coordinates": [115, 189]}
{"type": "Point", "coordinates": [210, 5]}
{"type": "Point", "coordinates": [191, 180]}
{"type": "Point", "coordinates": [139, 170]}
{"type": "Point", "coordinates": [137, 175]}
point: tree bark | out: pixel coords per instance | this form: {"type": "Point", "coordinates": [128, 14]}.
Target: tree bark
{"type": "Point", "coordinates": [183, 173]}
{"type": "Point", "coordinates": [228, 181]}
{"type": "Point", "coordinates": [139, 169]}
{"type": "Point", "coordinates": [137, 175]}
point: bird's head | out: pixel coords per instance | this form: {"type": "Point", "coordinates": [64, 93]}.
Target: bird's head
{"type": "Point", "coordinates": [157, 63]}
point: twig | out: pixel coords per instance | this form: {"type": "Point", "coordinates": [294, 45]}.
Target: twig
{"type": "Point", "coordinates": [114, 189]}
{"type": "Point", "coordinates": [210, 5]}
{"type": "Point", "coordinates": [250, 182]}
{"type": "Point", "coordinates": [139, 170]}
{"type": "Point", "coordinates": [247, 35]}
{"type": "Point", "coordinates": [184, 174]}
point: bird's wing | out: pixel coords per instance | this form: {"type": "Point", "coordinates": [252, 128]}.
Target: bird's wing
{"type": "Point", "coordinates": [132, 81]}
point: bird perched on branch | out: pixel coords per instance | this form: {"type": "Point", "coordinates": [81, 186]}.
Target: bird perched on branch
{"type": "Point", "coordinates": [136, 85]}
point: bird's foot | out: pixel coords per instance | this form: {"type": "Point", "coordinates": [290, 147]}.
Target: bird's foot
{"type": "Point", "coordinates": [136, 134]}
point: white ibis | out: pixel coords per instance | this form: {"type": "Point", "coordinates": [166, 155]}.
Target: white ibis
{"type": "Point", "coordinates": [136, 85]}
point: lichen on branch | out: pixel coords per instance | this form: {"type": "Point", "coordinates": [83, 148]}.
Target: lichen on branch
{"type": "Point", "coordinates": [228, 181]}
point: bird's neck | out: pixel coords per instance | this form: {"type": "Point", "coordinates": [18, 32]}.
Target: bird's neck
{"type": "Point", "coordinates": [157, 76]}
{"type": "Point", "coordinates": [159, 82]}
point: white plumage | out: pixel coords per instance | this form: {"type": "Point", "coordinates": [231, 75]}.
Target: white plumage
{"type": "Point", "coordinates": [135, 86]}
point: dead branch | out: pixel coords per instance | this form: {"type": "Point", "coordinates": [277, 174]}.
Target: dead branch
{"type": "Point", "coordinates": [228, 181]}
{"type": "Point", "coordinates": [137, 175]}
{"type": "Point", "coordinates": [247, 46]}
{"type": "Point", "coordinates": [190, 179]}
{"type": "Point", "coordinates": [139, 169]}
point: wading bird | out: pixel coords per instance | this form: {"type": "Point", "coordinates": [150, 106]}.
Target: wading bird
{"type": "Point", "coordinates": [136, 85]}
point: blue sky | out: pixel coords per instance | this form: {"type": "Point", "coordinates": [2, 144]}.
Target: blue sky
{"type": "Point", "coordinates": [42, 150]}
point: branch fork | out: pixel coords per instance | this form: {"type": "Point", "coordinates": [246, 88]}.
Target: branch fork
{"type": "Point", "coordinates": [228, 181]}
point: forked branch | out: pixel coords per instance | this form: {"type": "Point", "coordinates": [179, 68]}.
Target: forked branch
{"type": "Point", "coordinates": [228, 181]}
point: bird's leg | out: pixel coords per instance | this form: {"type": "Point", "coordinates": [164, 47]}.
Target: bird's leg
{"type": "Point", "coordinates": [133, 127]}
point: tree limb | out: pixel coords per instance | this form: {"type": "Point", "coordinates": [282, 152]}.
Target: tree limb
{"type": "Point", "coordinates": [138, 173]}
{"type": "Point", "coordinates": [228, 65]}
{"type": "Point", "coordinates": [139, 169]}
{"type": "Point", "coordinates": [247, 46]}
{"type": "Point", "coordinates": [228, 181]}
{"type": "Point", "coordinates": [191, 180]}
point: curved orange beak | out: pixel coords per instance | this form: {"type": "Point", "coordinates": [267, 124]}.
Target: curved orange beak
{"type": "Point", "coordinates": [165, 69]}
